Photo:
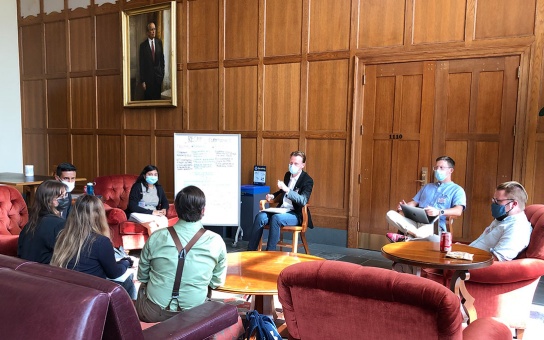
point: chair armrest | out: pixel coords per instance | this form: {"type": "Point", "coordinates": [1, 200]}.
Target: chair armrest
{"type": "Point", "coordinates": [114, 215]}
{"type": "Point", "coordinates": [487, 329]}
{"type": "Point", "coordinates": [199, 322]}
{"type": "Point", "coordinates": [171, 212]}
{"type": "Point", "coordinates": [509, 271]}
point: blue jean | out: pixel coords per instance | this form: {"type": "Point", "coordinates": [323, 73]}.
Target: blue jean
{"type": "Point", "coordinates": [275, 222]}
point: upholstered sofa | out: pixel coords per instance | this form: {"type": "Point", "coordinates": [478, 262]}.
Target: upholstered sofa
{"type": "Point", "coordinates": [41, 301]}
{"type": "Point", "coordinates": [13, 217]}
{"type": "Point", "coordinates": [115, 191]}
{"type": "Point", "coordinates": [340, 300]}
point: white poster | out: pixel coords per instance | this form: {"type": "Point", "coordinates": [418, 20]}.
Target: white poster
{"type": "Point", "coordinates": [212, 163]}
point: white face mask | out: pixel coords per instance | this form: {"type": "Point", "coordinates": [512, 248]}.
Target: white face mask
{"type": "Point", "coordinates": [70, 185]}
{"type": "Point", "coordinates": [293, 169]}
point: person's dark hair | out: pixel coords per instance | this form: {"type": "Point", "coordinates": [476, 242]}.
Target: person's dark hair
{"type": "Point", "coordinates": [43, 202]}
{"type": "Point", "coordinates": [65, 167]}
{"type": "Point", "coordinates": [141, 178]}
{"type": "Point", "coordinates": [300, 154]}
{"type": "Point", "coordinates": [190, 202]}
{"type": "Point", "coordinates": [449, 160]}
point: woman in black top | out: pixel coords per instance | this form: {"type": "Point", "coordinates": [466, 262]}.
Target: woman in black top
{"type": "Point", "coordinates": [85, 245]}
{"type": "Point", "coordinates": [147, 203]}
{"type": "Point", "coordinates": [38, 237]}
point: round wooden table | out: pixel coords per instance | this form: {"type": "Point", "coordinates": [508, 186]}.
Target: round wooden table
{"type": "Point", "coordinates": [425, 254]}
{"type": "Point", "coordinates": [256, 273]}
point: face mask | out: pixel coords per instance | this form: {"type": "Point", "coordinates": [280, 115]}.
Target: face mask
{"type": "Point", "coordinates": [293, 169]}
{"type": "Point", "coordinates": [70, 185]}
{"type": "Point", "coordinates": [63, 204]}
{"type": "Point", "coordinates": [499, 211]}
{"type": "Point", "coordinates": [440, 175]}
{"type": "Point", "coordinates": [151, 179]}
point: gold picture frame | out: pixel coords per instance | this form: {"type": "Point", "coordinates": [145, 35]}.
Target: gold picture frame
{"type": "Point", "coordinates": [149, 58]}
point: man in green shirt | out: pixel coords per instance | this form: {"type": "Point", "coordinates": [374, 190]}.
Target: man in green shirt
{"type": "Point", "coordinates": [205, 265]}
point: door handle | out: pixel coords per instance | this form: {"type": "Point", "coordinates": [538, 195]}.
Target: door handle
{"type": "Point", "coordinates": [423, 180]}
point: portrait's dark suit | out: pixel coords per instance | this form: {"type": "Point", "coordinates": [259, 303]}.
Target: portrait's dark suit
{"type": "Point", "coordinates": [152, 71]}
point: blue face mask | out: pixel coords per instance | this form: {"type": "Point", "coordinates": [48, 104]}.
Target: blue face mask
{"type": "Point", "coordinates": [440, 175]}
{"type": "Point", "coordinates": [499, 211]}
{"type": "Point", "coordinates": [293, 169]}
{"type": "Point", "coordinates": [151, 179]}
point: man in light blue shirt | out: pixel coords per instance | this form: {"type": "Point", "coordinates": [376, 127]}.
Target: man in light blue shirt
{"type": "Point", "coordinates": [442, 198]}
{"type": "Point", "coordinates": [510, 231]}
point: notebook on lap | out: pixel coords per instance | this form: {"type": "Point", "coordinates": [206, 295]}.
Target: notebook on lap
{"type": "Point", "coordinates": [417, 214]}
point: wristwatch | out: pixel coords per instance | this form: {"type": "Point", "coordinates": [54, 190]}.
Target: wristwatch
{"type": "Point", "coordinates": [442, 212]}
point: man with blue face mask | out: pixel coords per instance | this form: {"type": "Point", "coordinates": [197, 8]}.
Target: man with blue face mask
{"type": "Point", "coordinates": [510, 231]}
{"type": "Point", "coordinates": [442, 198]}
{"type": "Point", "coordinates": [66, 174]}
{"type": "Point", "coordinates": [293, 196]}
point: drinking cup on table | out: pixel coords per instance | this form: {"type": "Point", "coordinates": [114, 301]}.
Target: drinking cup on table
{"type": "Point", "coordinates": [29, 170]}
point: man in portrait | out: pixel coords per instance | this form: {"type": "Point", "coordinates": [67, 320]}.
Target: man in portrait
{"type": "Point", "coordinates": [151, 64]}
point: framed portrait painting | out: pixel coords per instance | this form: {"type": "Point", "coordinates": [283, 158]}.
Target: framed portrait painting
{"type": "Point", "coordinates": [149, 56]}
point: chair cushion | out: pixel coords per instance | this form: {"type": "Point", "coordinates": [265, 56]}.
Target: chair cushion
{"type": "Point", "coordinates": [535, 214]}
{"type": "Point", "coordinates": [115, 189]}
{"type": "Point", "coordinates": [13, 211]}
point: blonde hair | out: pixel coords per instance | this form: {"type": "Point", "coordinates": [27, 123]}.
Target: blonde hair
{"type": "Point", "coordinates": [514, 190]}
{"type": "Point", "coordinates": [84, 222]}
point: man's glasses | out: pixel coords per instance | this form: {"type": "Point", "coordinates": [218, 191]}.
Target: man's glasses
{"type": "Point", "coordinates": [496, 201]}
{"type": "Point", "coordinates": [441, 167]}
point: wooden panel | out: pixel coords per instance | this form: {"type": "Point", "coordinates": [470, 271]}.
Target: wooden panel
{"type": "Point", "coordinates": [459, 152]}
{"type": "Point", "coordinates": [329, 25]}
{"type": "Point", "coordinates": [110, 149]}
{"type": "Point", "coordinates": [283, 23]}
{"type": "Point", "coordinates": [504, 18]}
{"type": "Point", "coordinates": [538, 193]}
{"type": "Point", "coordinates": [410, 115]}
{"type": "Point", "coordinates": [458, 102]}
{"type": "Point", "coordinates": [276, 159]}
{"type": "Point", "coordinates": [138, 150]}
{"type": "Point", "coordinates": [203, 108]}
{"type": "Point", "coordinates": [249, 159]}
{"type": "Point", "coordinates": [81, 44]}
{"type": "Point", "coordinates": [165, 162]}
{"type": "Point", "coordinates": [281, 97]}
{"type": "Point", "coordinates": [488, 110]}
{"type": "Point", "coordinates": [170, 118]}
{"type": "Point", "coordinates": [59, 146]}
{"type": "Point", "coordinates": [85, 157]}
{"type": "Point", "coordinates": [141, 119]}
{"type": "Point", "coordinates": [381, 23]}
{"type": "Point", "coordinates": [108, 41]}
{"type": "Point", "coordinates": [110, 99]}
{"type": "Point", "coordinates": [241, 28]}
{"type": "Point", "coordinates": [384, 106]}
{"type": "Point", "coordinates": [57, 103]}
{"type": "Point", "coordinates": [35, 152]}
{"type": "Point", "coordinates": [83, 102]}
{"type": "Point", "coordinates": [326, 163]}
{"type": "Point", "coordinates": [55, 47]}
{"type": "Point", "coordinates": [241, 98]}
{"type": "Point", "coordinates": [33, 107]}
{"type": "Point", "coordinates": [31, 50]}
{"type": "Point", "coordinates": [203, 30]}
{"type": "Point", "coordinates": [439, 21]}
{"type": "Point", "coordinates": [328, 95]}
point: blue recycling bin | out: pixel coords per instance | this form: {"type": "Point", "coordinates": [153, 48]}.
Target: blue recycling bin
{"type": "Point", "coordinates": [251, 195]}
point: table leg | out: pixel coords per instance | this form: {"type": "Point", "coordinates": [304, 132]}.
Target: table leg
{"type": "Point", "coordinates": [264, 304]}
{"type": "Point", "coordinates": [404, 268]}
{"type": "Point", "coordinates": [30, 191]}
{"type": "Point", "coordinates": [457, 285]}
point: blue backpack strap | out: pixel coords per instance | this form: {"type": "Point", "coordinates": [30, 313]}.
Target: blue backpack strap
{"type": "Point", "coordinates": [254, 325]}
{"type": "Point", "coordinates": [269, 328]}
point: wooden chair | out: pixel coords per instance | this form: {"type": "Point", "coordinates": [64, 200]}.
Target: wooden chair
{"type": "Point", "coordinates": [295, 230]}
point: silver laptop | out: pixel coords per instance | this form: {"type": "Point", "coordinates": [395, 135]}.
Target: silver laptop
{"type": "Point", "coordinates": [417, 214]}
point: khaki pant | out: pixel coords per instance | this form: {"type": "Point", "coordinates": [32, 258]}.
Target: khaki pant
{"type": "Point", "coordinates": [148, 311]}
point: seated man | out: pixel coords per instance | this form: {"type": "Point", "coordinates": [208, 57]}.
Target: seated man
{"type": "Point", "coordinates": [510, 231]}
{"type": "Point", "coordinates": [444, 198]}
{"type": "Point", "coordinates": [66, 174]}
{"type": "Point", "coordinates": [294, 196]}
{"type": "Point", "coordinates": [205, 265]}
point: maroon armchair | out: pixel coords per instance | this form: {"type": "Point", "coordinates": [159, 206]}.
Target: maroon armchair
{"type": "Point", "coordinates": [341, 300]}
{"type": "Point", "coordinates": [115, 191]}
{"type": "Point", "coordinates": [13, 217]}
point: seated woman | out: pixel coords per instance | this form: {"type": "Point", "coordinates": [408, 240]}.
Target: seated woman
{"type": "Point", "coordinates": [38, 237]}
{"type": "Point", "coordinates": [85, 245]}
{"type": "Point", "coordinates": [147, 202]}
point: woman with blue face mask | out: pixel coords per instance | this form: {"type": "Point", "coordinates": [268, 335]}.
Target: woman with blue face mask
{"type": "Point", "coordinates": [147, 202]}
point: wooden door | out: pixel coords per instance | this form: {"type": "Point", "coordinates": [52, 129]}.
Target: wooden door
{"type": "Point", "coordinates": [397, 129]}
{"type": "Point", "coordinates": [476, 105]}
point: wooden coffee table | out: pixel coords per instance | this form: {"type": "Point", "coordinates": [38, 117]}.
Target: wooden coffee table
{"type": "Point", "coordinates": [425, 254]}
{"type": "Point", "coordinates": [256, 273]}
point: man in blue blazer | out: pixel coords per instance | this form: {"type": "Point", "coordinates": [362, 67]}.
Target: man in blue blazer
{"type": "Point", "coordinates": [293, 196]}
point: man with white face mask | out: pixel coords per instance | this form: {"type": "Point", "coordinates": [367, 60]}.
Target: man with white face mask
{"type": "Point", "coordinates": [66, 174]}
{"type": "Point", "coordinates": [294, 193]}
{"type": "Point", "coordinates": [442, 198]}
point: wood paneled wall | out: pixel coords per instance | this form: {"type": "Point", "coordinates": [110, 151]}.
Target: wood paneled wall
{"type": "Point", "coordinates": [282, 73]}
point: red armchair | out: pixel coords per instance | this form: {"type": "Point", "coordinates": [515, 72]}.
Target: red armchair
{"type": "Point", "coordinates": [115, 191]}
{"type": "Point", "coordinates": [341, 300]}
{"type": "Point", "coordinates": [13, 217]}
